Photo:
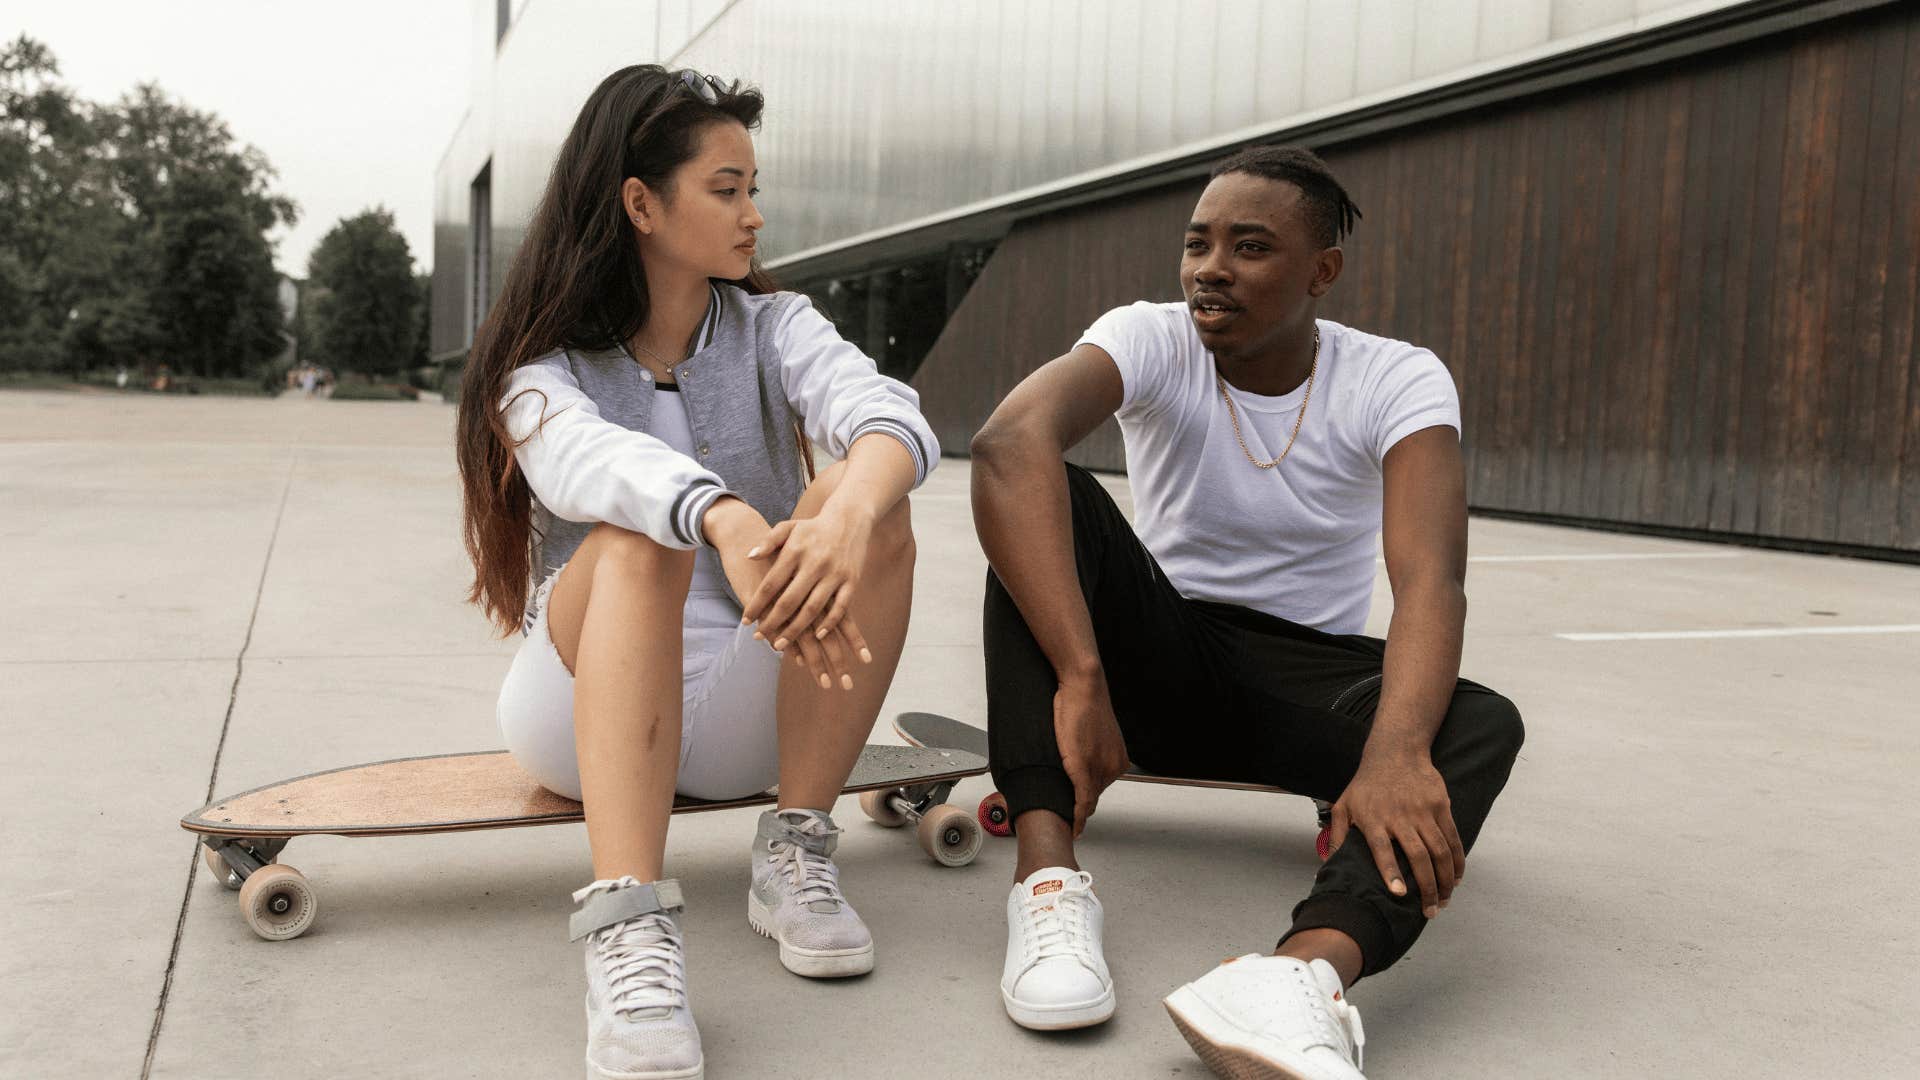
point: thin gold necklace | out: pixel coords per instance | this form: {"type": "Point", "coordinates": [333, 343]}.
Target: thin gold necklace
{"type": "Point", "coordinates": [654, 356]}
{"type": "Point", "coordinates": [1298, 420]}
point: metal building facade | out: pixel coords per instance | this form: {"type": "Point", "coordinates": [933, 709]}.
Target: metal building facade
{"type": "Point", "coordinates": [1727, 350]}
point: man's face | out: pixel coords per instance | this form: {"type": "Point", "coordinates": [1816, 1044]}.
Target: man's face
{"type": "Point", "coordinates": [1250, 266]}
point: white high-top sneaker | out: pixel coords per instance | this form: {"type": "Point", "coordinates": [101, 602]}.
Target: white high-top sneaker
{"type": "Point", "coordinates": [1271, 1017]}
{"type": "Point", "coordinates": [639, 1022]}
{"type": "Point", "coordinates": [796, 900]}
{"type": "Point", "coordinates": [1055, 977]}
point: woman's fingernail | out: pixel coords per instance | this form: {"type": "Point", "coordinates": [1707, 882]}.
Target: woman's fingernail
{"type": "Point", "coordinates": [866, 656]}
{"type": "Point", "coordinates": [754, 553]}
{"type": "Point", "coordinates": [820, 633]}
{"type": "Point", "coordinates": [780, 644]}
{"type": "Point", "coordinates": [846, 682]}
{"type": "Point", "coordinates": [825, 683]}
{"type": "Point", "coordinates": [1432, 912]}
{"type": "Point", "coordinates": [758, 636]}
{"type": "Point", "coordinates": [1399, 888]}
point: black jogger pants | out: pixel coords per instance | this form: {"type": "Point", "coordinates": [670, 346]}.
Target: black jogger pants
{"type": "Point", "coordinates": [1217, 691]}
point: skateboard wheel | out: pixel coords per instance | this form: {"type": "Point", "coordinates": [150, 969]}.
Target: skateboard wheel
{"type": "Point", "coordinates": [278, 903]}
{"type": "Point", "coordinates": [950, 835]}
{"type": "Point", "coordinates": [1323, 844]}
{"type": "Point", "coordinates": [223, 874]}
{"type": "Point", "coordinates": [880, 810]}
{"type": "Point", "coordinates": [993, 815]}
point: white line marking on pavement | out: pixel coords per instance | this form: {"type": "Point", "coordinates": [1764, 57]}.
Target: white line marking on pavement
{"type": "Point", "coordinates": [1609, 557]}
{"type": "Point", "coordinates": [1599, 557]}
{"type": "Point", "coordinates": [1778, 631]}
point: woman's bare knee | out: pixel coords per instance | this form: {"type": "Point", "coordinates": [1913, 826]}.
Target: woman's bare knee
{"type": "Point", "coordinates": [611, 549]}
{"type": "Point", "coordinates": [616, 557]}
{"type": "Point", "coordinates": [893, 535]}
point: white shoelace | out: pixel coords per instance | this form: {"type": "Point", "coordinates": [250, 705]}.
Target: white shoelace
{"type": "Point", "coordinates": [646, 967]}
{"type": "Point", "coordinates": [1335, 1023]}
{"type": "Point", "coordinates": [1057, 923]}
{"type": "Point", "coordinates": [813, 877]}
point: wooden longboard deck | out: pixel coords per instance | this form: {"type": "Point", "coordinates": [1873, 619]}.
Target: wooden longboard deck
{"type": "Point", "coordinates": [943, 732]}
{"type": "Point", "coordinates": [487, 790]}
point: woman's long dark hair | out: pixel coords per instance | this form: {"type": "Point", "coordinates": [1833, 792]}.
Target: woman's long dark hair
{"type": "Point", "coordinates": [576, 282]}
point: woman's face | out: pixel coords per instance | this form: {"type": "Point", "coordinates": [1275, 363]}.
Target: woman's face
{"type": "Point", "coordinates": [705, 222]}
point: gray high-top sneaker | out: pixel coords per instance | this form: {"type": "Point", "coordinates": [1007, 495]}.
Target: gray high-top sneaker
{"type": "Point", "coordinates": [796, 899]}
{"type": "Point", "coordinates": [639, 1023]}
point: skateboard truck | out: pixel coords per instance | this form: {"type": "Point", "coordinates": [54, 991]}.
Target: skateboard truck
{"type": "Point", "coordinates": [276, 900]}
{"type": "Point", "coordinates": [948, 833]}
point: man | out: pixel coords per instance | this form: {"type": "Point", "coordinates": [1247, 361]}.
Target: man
{"type": "Point", "coordinates": [1266, 448]}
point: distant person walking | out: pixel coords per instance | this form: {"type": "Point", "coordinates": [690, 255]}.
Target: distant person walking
{"type": "Point", "coordinates": [634, 445]}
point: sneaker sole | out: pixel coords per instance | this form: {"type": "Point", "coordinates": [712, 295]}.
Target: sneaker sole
{"type": "Point", "coordinates": [812, 963]}
{"type": "Point", "coordinates": [698, 1072]}
{"type": "Point", "coordinates": [1058, 1017]}
{"type": "Point", "coordinates": [1223, 1046]}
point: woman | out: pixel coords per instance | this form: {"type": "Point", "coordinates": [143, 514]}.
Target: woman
{"type": "Point", "coordinates": [634, 442]}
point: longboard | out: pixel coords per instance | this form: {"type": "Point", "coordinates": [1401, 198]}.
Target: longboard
{"type": "Point", "coordinates": [933, 731]}
{"type": "Point", "coordinates": [242, 835]}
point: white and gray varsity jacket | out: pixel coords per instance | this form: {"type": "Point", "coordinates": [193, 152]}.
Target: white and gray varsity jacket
{"type": "Point", "coordinates": [759, 364]}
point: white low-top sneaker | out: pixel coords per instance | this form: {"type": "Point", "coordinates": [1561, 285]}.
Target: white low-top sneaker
{"type": "Point", "coordinates": [795, 898]}
{"type": "Point", "coordinates": [1271, 1018]}
{"type": "Point", "coordinates": [639, 1022]}
{"type": "Point", "coordinates": [1055, 977]}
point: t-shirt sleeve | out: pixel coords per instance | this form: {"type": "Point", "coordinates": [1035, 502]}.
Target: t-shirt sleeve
{"type": "Point", "coordinates": [1141, 343]}
{"type": "Point", "coordinates": [1410, 391]}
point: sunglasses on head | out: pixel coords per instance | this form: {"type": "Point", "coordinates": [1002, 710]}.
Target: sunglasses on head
{"type": "Point", "coordinates": [704, 87]}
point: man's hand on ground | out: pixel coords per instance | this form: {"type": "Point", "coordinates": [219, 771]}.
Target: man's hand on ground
{"type": "Point", "coordinates": [1091, 747]}
{"type": "Point", "coordinates": [1404, 801]}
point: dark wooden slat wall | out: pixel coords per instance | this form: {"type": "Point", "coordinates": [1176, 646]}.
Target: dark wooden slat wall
{"type": "Point", "coordinates": [1683, 298]}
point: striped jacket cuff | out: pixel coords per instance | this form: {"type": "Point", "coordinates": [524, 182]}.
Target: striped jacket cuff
{"type": "Point", "coordinates": [907, 436]}
{"type": "Point", "coordinates": [690, 510]}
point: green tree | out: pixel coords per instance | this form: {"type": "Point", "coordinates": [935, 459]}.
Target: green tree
{"type": "Point", "coordinates": [365, 300]}
{"type": "Point", "coordinates": [60, 229]}
{"type": "Point", "coordinates": [202, 206]}
{"type": "Point", "coordinates": [423, 327]}
{"type": "Point", "coordinates": [129, 233]}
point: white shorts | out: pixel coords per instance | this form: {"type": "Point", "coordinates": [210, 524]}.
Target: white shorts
{"type": "Point", "coordinates": [729, 739]}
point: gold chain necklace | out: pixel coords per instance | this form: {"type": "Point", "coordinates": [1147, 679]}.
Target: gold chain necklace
{"type": "Point", "coordinates": [1298, 420]}
{"type": "Point", "coordinates": [655, 357]}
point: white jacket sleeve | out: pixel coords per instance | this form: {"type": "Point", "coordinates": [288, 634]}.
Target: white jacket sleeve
{"type": "Point", "coordinates": [583, 467]}
{"type": "Point", "coordinates": [840, 393]}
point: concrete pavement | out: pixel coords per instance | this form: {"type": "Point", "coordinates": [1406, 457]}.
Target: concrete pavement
{"type": "Point", "coordinates": [1700, 868]}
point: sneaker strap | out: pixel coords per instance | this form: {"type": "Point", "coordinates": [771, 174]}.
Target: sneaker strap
{"type": "Point", "coordinates": [815, 831]}
{"type": "Point", "coordinates": [604, 909]}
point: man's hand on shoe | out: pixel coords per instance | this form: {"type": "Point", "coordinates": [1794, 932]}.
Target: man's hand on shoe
{"type": "Point", "coordinates": [1402, 800]}
{"type": "Point", "coordinates": [1091, 747]}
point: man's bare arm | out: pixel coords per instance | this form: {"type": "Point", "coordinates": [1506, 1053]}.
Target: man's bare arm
{"type": "Point", "coordinates": [1022, 514]}
{"type": "Point", "coordinates": [1020, 497]}
{"type": "Point", "coordinates": [1424, 534]}
{"type": "Point", "coordinates": [1397, 796]}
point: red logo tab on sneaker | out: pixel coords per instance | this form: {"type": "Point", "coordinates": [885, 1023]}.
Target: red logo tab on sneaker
{"type": "Point", "coordinates": [1046, 887]}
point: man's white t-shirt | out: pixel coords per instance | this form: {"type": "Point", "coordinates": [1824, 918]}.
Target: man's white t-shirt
{"type": "Point", "coordinates": [1298, 540]}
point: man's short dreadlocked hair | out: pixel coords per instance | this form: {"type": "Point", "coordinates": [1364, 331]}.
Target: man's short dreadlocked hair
{"type": "Point", "coordinates": [1330, 213]}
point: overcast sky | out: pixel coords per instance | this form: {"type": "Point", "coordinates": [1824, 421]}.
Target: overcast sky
{"type": "Point", "coordinates": [352, 101]}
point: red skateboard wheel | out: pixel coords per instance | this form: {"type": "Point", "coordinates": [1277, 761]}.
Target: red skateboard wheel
{"type": "Point", "coordinates": [993, 815]}
{"type": "Point", "coordinates": [1323, 844]}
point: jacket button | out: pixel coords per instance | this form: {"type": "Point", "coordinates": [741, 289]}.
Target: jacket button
{"type": "Point", "coordinates": [703, 449]}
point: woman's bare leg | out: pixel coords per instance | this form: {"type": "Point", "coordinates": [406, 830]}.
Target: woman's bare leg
{"type": "Point", "coordinates": [615, 617]}
{"type": "Point", "coordinates": [822, 731]}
